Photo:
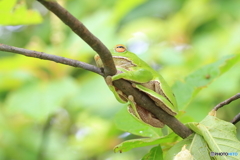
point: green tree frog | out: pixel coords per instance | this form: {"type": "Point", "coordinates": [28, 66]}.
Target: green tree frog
{"type": "Point", "coordinates": [131, 68]}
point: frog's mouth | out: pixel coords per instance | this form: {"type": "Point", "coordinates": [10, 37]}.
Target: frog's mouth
{"type": "Point", "coordinates": [125, 60]}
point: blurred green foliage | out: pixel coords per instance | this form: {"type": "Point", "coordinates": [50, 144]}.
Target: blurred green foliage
{"type": "Point", "coordinates": [13, 13]}
{"type": "Point", "coordinates": [52, 111]}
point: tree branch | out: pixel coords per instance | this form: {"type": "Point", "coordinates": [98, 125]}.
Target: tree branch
{"type": "Point", "coordinates": [236, 119]}
{"type": "Point", "coordinates": [227, 101]}
{"type": "Point", "coordinates": [140, 97]}
{"type": "Point", "coordinates": [149, 105]}
{"type": "Point", "coordinates": [123, 85]}
{"type": "Point", "coordinates": [83, 33]}
{"type": "Point", "coordinates": [109, 68]}
{"type": "Point", "coordinates": [45, 56]}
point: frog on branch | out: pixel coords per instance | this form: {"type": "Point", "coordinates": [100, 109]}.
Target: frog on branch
{"type": "Point", "coordinates": [131, 68]}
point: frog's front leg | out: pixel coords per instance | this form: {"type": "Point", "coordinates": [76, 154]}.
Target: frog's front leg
{"type": "Point", "coordinates": [137, 111]}
{"type": "Point", "coordinates": [119, 95]}
{"type": "Point", "coordinates": [122, 98]}
{"type": "Point", "coordinates": [139, 76]}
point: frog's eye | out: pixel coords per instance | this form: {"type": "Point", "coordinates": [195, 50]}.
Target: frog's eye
{"type": "Point", "coordinates": [120, 48]}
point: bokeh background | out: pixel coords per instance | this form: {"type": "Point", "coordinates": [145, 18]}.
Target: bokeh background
{"type": "Point", "coordinates": [53, 111]}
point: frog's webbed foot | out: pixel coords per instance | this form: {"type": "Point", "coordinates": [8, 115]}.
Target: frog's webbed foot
{"type": "Point", "coordinates": [130, 97]}
{"type": "Point", "coordinates": [119, 95]}
{"type": "Point", "coordinates": [108, 80]}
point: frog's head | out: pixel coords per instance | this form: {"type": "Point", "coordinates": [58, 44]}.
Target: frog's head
{"type": "Point", "coordinates": [118, 56]}
{"type": "Point", "coordinates": [120, 48]}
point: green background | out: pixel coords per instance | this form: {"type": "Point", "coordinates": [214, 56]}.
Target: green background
{"type": "Point", "coordinates": [53, 111]}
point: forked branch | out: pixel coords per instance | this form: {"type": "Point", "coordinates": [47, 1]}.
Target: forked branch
{"type": "Point", "coordinates": [224, 103]}
{"type": "Point", "coordinates": [109, 69]}
{"type": "Point", "coordinates": [83, 33]}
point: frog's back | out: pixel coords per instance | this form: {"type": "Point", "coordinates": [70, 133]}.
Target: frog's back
{"type": "Point", "coordinates": [136, 63]}
{"type": "Point", "coordinates": [164, 85]}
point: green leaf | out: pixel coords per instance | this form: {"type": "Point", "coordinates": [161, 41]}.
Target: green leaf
{"type": "Point", "coordinates": [154, 154]}
{"type": "Point", "coordinates": [212, 135]}
{"type": "Point", "coordinates": [195, 144]}
{"type": "Point", "coordinates": [135, 143]}
{"type": "Point", "coordinates": [17, 14]}
{"type": "Point", "coordinates": [126, 122]}
{"type": "Point", "coordinates": [218, 134]}
{"type": "Point", "coordinates": [196, 81]}
{"type": "Point", "coordinates": [199, 148]}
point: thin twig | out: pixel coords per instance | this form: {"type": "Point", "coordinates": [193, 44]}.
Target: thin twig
{"type": "Point", "coordinates": [236, 119]}
{"type": "Point", "coordinates": [84, 33]}
{"type": "Point", "coordinates": [227, 101]}
{"type": "Point", "coordinates": [45, 56]}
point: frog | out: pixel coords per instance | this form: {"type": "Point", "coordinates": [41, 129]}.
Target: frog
{"type": "Point", "coordinates": [143, 77]}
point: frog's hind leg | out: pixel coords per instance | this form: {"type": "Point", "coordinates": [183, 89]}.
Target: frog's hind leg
{"type": "Point", "coordinates": [142, 114]}
{"type": "Point", "coordinates": [159, 99]}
